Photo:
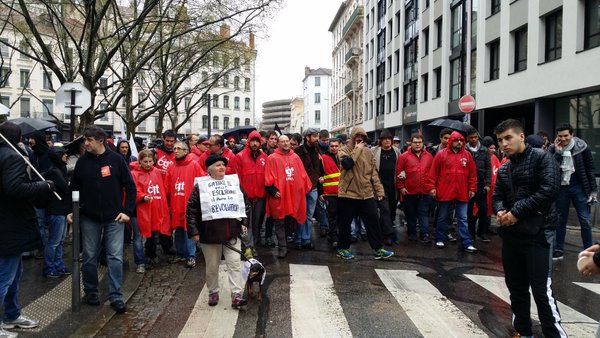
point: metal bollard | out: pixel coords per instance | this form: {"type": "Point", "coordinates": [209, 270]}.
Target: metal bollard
{"type": "Point", "coordinates": [75, 287]}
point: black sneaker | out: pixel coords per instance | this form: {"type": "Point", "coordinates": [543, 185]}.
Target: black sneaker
{"type": "Point", "coordinates": [483, 239]}
{"type": "Point", "coordinates": [425, 239]}
{"type": "Point", "coordinates": [557, 255]}
{"type": "Point", "coordinates": [451, 238]}
{"type": "Point", "coordinates": [91, 299]}
{"type": "Point", "coordinates": [118, 306]}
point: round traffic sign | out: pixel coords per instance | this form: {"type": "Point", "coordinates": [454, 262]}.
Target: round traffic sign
{"type": "Point", "coordinates": [466, 104]}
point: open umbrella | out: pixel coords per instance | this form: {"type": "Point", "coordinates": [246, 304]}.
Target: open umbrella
{"type": "Point", "coordinates": [236, 131]}
{"type": "Point", "coordinates": [73, 146]}
{"type": "Point", "coordinates": [449, 123]}
{"type": "Point", "coordinates": [29, 125]}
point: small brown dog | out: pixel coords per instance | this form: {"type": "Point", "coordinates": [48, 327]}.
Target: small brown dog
{"type": "Point", "coordinates": [254, 273]}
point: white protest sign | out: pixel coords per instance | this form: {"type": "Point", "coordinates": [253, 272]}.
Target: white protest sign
{"type": "Point", "coordinates": [221, 198]}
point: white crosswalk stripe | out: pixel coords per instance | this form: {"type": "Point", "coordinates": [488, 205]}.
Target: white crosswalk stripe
{"type": "Point", "coordinates": [594, 287]}
{"type": "Point", "coordinates": [575, 323]}
{"type": "Point", "coordinates": [316, 309]}
{"type": "Point", "coordinates": [432, 313]}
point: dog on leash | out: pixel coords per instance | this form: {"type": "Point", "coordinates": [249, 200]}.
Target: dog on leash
{"type": "Point", "coordinates": [254, 273]}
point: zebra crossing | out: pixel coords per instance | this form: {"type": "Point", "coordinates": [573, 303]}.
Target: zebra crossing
{"type": "Point", "coordinates": [316, 310]}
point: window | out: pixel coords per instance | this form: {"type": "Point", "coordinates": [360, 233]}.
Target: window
{"type": "Point", "coordinates": [236, 122]}
{"type": "Point", "coordinates": [204, 76]}
{"type": "Point", "coordinates": [225, 122]}
{"type": "Point", "coordinates": [246, 122]}
{"type": "Point", "coordinates": [397, 61]}
{"type": "Point", "coordinates": [226, 81]}
{"type": "Point", "coordinates": [494, 6]}
{"type": "Point", "coordinates": [215, 101]}
{"type": "Point", "coordinates": [425, 85]}
{"type": "Point", "coordinates": [24, 47]}
{"type": "Point", "coordinates": [5, 100]}
{"type": "Point", "coordinates": [215, 122]}
{"type": "Point", "coordinates": [246, 83]}
{"type": "Point", "coordinates": [104, 107]}
{"type": "Point", "coordinates": [236, 82]}
{"type": "Point", "coordinates": [520, 49]}
{"type": "Point", "coordinates": [247, 103]}
{"type": "Point", "coordinates": [317, 97]}
{"type": "Point", "coordinates": [25, 78]}
{"type": "Point", "coordinates": [317, 116]}
{"type": "Point", "coordinates": [236, 103]}
{"type": "Point", "coordinates": [389, 102]}
{"type": "Point", "coordinates": [3, 47]}
{"type": "Point", "coordinates": [494, 49]}
{"type": "Point", "coordinates": [103, 84]}
{"type": "Point", "coordinates": [426, 41]}
{"type": "Point", "coordinates": [186, 104]}
{"type": "Point", "coordinates": [389, 66]}
{"type": "Point", "coordinates": [141, 99]}
{"type": "Point", "coordinates": [553, 36]}
{"type": "Point", "coordinates": [592, 24]}
{"type": "Point", "coordinates": [204, 121]}
{"type": "Point", "coordinates": [438, 28]}
{"type": "Point", "coordinates": [438, 81]}
{"type": "Point", "coordinates": [226, 101]}
{"type": "Point", "coordinates": [396, 99]}
{"type": "Point", "coordinates": [426, 3]}
{"type": "Point", "coordinates": [317, 81]}
{"type": "Point", "coordinates": [25, 107]}
{"type": "Point", "coordinates": [454, 79]}
{"type": "Point", "coordinates": [410, 93]}
{"type": "Point", "coordinates": [47, 108]}
{"type": "Point", "coordinates": [4, 77]}
{"type": "Point", "coordinates": [456, 26]}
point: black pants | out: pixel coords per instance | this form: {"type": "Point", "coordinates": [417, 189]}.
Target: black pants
{"type": "Point", "coordinates": [332, 217]}
{"type": "Point", "coordinates": [484, 221]}
{"type": "Point", "coordinates": [348, 208]}
{"type": "Point", "coordinates": [527, 263]}
{"type": "Point", "coordinates": [150, 245]}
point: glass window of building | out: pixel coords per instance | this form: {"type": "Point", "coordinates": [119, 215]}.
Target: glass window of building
{"type": "Point", "coordinates": [4, 47]}
{"type": "Point", "coordinates": [225, 122]}
{"type": "Point", "coordinates": [103, 83]}
{"type": "Point", "coordinates": [236, 102]}
{"type": "Point", "coordinates": [204, 121]}
{"type": "Point", "coordinates": [246, 83]}
{"type": "Point", "coordinates": [592, 24]}
{"type": "Point", "coordinates": [396, 99]}
{"type": "Point", "coordinates": [553, 39]}
{"type": "Point", "coordinates": [236, 122]}
{"type": "Point", "coordinates": [24, 78]}
{"type": "Point", "coordinates": [215, 100]}
{"type": "Point", "coordinates": [226, 81]}
{"type": "Point", "coordinates": [236, 82]}
{"type": "Point", "coordinates": [520, 49]}
{"type": "Point", "coordinates": [215, 122]}
{"type": "Point", "coordinates": [438, 81]}
{"type": "Point", "coordinates": [317, 97]}
{"type": "Point", "coordinates": [5, 100]}
{"type": "Point", "coordinates": [4, 77]}
{"type": "Point", "coordinates": [317, 81]}
{"type": "Point", "coordinates": [424, 86]}
{"type": "Point", "coordinates": [317, 116]}
{"type": "Point", "coordinates": [455, 79]}
{"type": "Point", "coordinates": [426, 41]}
{"type": "Point", "coordinates": [494, 6]}
{"type": "Point", "coordinates": [226, 101]}
{"type": "Point", "coordinates": [456, 26]}
{"type": "Point", "coordinates": [247, 103]}
{"type": "Point", "coordinates": [439, 32]}
{"type": "Point", "coordinates": [246, 122]}
{"type": "Point", "coordinates": [47, 108]}
{"type": "Point", "coordinates": [494, 50]}
{"type": "Point", "coordinates": [25, 107]}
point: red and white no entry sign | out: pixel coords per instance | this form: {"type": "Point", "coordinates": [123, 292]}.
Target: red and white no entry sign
{"type": "Point", "coordinates": [466, 104]}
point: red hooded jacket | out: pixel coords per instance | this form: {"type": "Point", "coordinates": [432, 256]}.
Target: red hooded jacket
{"type": "Point", "coordinates": [152, 215]}
{"type": "Point", "coordinates": [231, 164]}
{"type": "Point", "coordinates": [163, 160]}
{"type": "Point", "coordinates": [286, 172]}
{"type": "Point", "coordinates": [179, 183]}
{"type": "Point", "coordinates": [250, 171]}
{"type": "Point", "coordinates": [452, 174]}
{"type": "Point", "coordinates": [416, 170]}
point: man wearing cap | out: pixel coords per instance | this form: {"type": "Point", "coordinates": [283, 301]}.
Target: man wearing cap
{"type": "Point", "coordinates": [251, 170]}
{"type": "Point", "coordinates": [386, 158]}
{"type": "Point", "coordinates": [287, 184]}
{"type": "Point", "coordinates": [396, 142]}
{"type": "Point", "coordinates": [311, 159]}
{"type": "Point", "coordinates": [179, 183]}
{"type": "Point", "coordinates": [216, 146]}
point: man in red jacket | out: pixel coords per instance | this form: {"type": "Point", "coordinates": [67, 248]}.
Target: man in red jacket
{"type": "Point", "coordinates": [453, 181]}
{"type": "Point", "coordinates": [216, 146]}
{"type": "Point", "coordinates": [164, 153]}
{"type": "Point", "coordinates": [287, 183]}
{"type": "Point", "coordinates": [251, 170]}
{"type": "Point", "coordinates": [412, 176]}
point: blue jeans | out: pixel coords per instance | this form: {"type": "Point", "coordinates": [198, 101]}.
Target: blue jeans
{"type": "Point", "coordinates": [460, 211]}
{"type": "Point", "coordinates": [184, 246]}
{"type": "Point", "coordinates": [92, 233]}
{"type": "Point", "coordinates": [53, 251]}
{"type": "Point", "coordinates": [11, 269]}
{"type": "Point", "coordinates": [575, 193]}
{"type": "Point", "coordinates": [304, 233]}
{"type": "Point", "coordinates": [417, 207]}
{"type": "Point", "coordinates": [138, 243]}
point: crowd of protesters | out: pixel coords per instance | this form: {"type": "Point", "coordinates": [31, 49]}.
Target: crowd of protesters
{"type": "Point", "coordinates": [155, 197]}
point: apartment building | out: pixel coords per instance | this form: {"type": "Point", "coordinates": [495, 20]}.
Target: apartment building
{"type": "Point", "coordinates": [297, 115]}
{"type": "Point", "coordinates": [316, 88]}
{"type": "Point", "coordinates": [535, 60]}
{"type": "Point", "coordinates": [277, 112]}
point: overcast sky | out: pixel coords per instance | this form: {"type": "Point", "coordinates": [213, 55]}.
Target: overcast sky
{"type": "Point", "coordinates": [297, 37]}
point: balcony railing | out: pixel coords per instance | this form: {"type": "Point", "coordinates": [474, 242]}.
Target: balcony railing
{"type": "Point", "coordinates": [349, 88]}
{"type": "Point", "coordinates": [352, 54]}
{"type": "Point", "coordinates": [354, 17]}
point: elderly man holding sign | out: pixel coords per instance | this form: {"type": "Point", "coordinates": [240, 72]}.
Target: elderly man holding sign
{"type": "Point", "coordinates": [214, 218]}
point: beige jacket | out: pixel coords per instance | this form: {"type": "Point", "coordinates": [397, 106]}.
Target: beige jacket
{"type": "Point", "coordinates": [361, 181]}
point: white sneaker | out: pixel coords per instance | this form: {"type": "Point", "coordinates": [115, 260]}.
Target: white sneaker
{"type": "Point", "coordinates": [7, 334]}
{"type": "Point", "coordinates": [471, 249]}
{"type": "Point", "coordinates": [439, 244]}
{"type": "Point", "coordinates": [22, 321]}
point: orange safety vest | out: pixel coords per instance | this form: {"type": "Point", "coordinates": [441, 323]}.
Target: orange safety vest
{"type": "Point", "coordinates": [331, 179]}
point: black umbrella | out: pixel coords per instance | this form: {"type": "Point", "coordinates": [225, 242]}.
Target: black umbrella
{"type": "Point", "coordinates": [29, 125]}
{"type": "Point", "coordinates": [73, 146]}
{"type": "Point", "coordinates": [236, 131]}
{"type": "Point", "coordinates": [452, 124]}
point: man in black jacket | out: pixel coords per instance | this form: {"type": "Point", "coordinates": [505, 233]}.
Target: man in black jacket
{"type": "Point", "coordinates": [578, 184]}
{"type": "Point", "coordinates": [18, 226]}
{"type": "Point", "coordinates": [107, 193]}
{"type": "Point", "coordinates": [484, 181]}
{"type": "Point", "coordinates": [525, 190]}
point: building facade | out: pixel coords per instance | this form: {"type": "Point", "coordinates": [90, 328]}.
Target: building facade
{"type": "Point", "coordinates": [534, 60]}
{"type": "Point", "coordinates": [277, 112]}
{"type": "Point", "coordinates": [316, 88]}
{"type": "Point", "coordinates": [348, 62]}
{"type": "Point", "coordinates": [297, 115]}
